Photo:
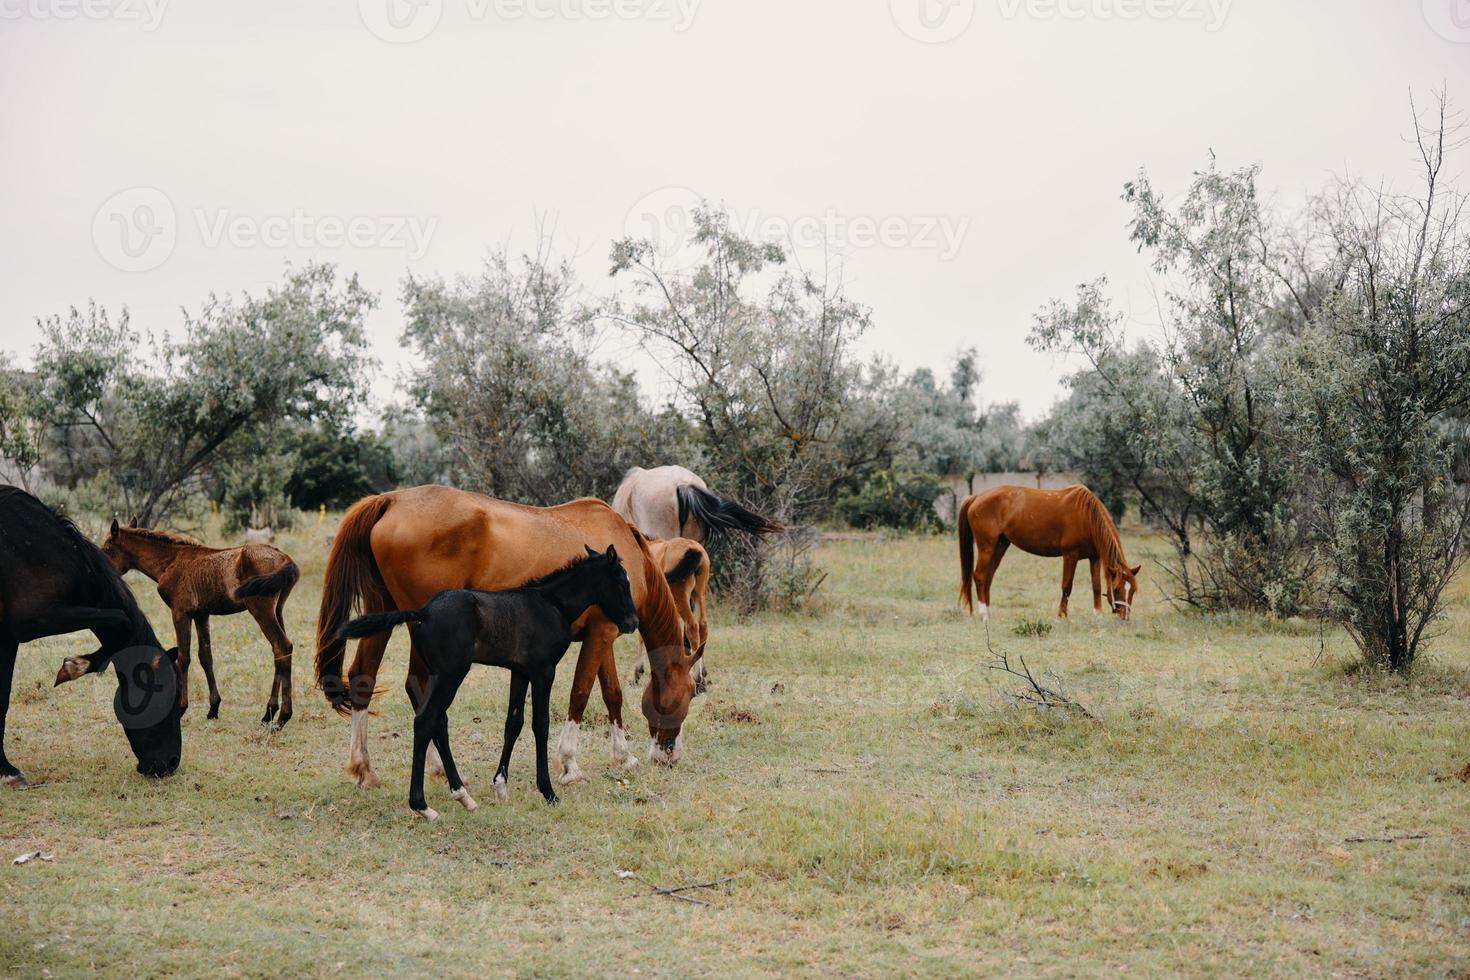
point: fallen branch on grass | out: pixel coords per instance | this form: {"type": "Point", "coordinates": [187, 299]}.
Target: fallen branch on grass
{"type": "Point", "coordinates": [676, 892]}
{"type": "Point", "coordinates": [1384, 840]}
{"type": "Point", "coordinates": [1034, 694]}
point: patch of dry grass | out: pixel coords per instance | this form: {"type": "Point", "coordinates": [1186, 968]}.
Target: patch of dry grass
{"type": "Point", "coordinates": [856, 773]}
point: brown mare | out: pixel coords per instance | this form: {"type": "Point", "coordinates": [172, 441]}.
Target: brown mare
{"type": "Point", "coordinates": [196, 582]}
{"type": "Point", "coordinates": [685, 566]}
{"type": "Point", "coordinates": [672, 502]}
{"type": "Point", "coordinates": [397, 550]}
{"type": "Point", "coordinates": [1071, 524]}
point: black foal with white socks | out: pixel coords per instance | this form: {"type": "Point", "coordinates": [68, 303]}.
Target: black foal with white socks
{"type": "Point", "coordinates": [526, 630]}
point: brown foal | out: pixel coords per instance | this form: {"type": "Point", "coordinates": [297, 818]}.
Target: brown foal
{"type": "Point", "coordinates": [196, 582]}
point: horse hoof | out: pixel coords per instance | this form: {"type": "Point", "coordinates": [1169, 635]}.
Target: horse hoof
{"type": "Point", "coordinates": [630, 762]}
{"type": "Point", "coordinates": [502, 793]}
{"type": "Point", "coordinates": [14, 781]}
{"type": "Point", "coordinates": [572, 775]}
{"type": "Point", "coordinates": [552, 799]}
{"type": "Point", "coordinates": [428, 813]}
{"type": "Point", "coordinates": [463, 798]}
{"type": "Point", "coordinates": [366, 779]}
{"type": "Point", "coordinates": [213, 711]}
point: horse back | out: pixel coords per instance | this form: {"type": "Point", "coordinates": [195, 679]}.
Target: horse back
{"type": "Point", "coordinates": [1043, 522]}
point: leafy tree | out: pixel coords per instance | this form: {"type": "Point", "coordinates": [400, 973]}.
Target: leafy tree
{"type": "Point", "coordinates": [508, 383]}
{"type": "Point", "coordinates": [20, 438]}
{"type": "Point", "coordinates": [243, 368]}
{"type": "Point", "coordinates": [762, 360]}
{"type": "Point", "coordinates": [1204, 439]}
{"type": "Point", "coordinates": [1380, 390]}
{"type": "Point", "coordinates": [336, 466]}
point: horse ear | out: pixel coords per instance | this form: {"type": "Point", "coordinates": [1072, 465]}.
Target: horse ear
{"type": "Point", "coordinates": [612, 552]}
{"type": "Point", "coordinates": [1135, 570]}
{"type": "Point", "coordinates": [590, 552]}
{"type": "Point", "coordinates": [134, 521]}
{"type": "Point", "coordinates": [113, 532]}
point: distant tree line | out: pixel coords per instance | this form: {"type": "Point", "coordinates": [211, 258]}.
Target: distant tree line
{"type": "Point", "coordinates": [1297, 431]}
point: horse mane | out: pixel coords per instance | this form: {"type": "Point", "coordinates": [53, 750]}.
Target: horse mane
{"type": "Point", "coordinates": [1104, 531]}
{"type": "Point", "coordinates": [167, 537]}
{"type": "Point", "coordinates": [552, 577]}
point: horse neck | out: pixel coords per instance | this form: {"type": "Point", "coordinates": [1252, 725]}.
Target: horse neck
{"type": "Point", "coordinates": [658, 617]}
{"type": "Point", "coordinates": [1105, 539]}
{"type": "Point", "coordinates": [572, 594]}
{"type": "Point", "coordinates": [152, 556]}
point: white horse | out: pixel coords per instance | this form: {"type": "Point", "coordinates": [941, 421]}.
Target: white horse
{"type": "Point", "coordinates": [672, 502]}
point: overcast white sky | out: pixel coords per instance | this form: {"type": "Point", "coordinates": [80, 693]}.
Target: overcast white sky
{"type": "Point", "coordinates": [205, 143]}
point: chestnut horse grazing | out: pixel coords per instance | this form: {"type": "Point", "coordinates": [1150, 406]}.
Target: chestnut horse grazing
{"type": "Point", "coordinates": [1071, 524]}
{"type": "Point", "coordinates": [672, 502]}
{"type": "Point", "coordinates": [196, 582]}
{"type": "Point", "coordinates": [397, 550]}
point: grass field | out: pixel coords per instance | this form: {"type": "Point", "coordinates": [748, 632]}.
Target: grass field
{"type": "Point", "coordinates": [854, 772]}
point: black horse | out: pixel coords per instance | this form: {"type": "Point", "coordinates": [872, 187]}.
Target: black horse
{"type": "Point", "coordinates": [53, 581]}
{"type": "Point", "coordinates": [527, 630]}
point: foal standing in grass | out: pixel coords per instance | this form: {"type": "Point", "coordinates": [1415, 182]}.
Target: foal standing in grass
{"type": "Point", "coordinates": [526, 630]}
{"type": "Point", "coordinates": [197, 582]}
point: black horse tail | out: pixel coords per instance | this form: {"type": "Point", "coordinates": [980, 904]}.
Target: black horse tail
{"type": "Point", "coordinates": [718, 515]}
{"type": "Point", "coordinates": [687, 566]}
{"type": "Point", "coordinates": [374, 623]}
{"type": "Point", "coordinates": [967, 555]}
{"type": "Point", "coordinates": [281, 580]}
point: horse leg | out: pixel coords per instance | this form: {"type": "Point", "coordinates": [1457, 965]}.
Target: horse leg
{"type": "Point", "coordinates": [540, 727]}
{"type": "Point", "coordinates": [458, 791]}
{"type": "Point", "coordinates": [612, 696]}
{"type": "Point", "coordinates": [416, 686]}
{"type": "Point", "coordinates": [589, 662]}
{"type": "Point", "coordinates": [988, 562]}
{"type": "Point", "coordinates": [1069, 571]}
{"type": "Point", "coordinates": [1095, 565]}
{"type": "Point", "coordinates": [424, 724]}
{"type": "Point", "coordinates": [9, 775]}
{"type": "Point", "coordinates": [362, 682]}
{"type": "Point", "coordinates": [441, 697]}
{"type": "Point", "coordinates": [206, 660]}
{"type": "Point", "coordinates": [264, 613]}
{"type": "Point", "coordinates": [515, 714]}
{"type": "Point", "coordinates": [183, 629]}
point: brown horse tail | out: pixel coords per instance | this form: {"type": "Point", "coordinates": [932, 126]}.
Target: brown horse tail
{"type": "Point", "coordinates": [273, 583]}
{"type": "Point", "coordinates": [967, 556]}
{"type": "Point", "coordinates": [688, 565]}
{"type": "Point", "coordinates": [352, 576]}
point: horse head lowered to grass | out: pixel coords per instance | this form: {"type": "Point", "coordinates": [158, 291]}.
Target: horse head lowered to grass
{"type": "Point", "coordinates": [54, 581]}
